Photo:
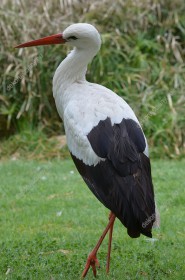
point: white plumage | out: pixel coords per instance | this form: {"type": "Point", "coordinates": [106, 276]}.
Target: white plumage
{"type": "Point", "coordinates": [81, 104]}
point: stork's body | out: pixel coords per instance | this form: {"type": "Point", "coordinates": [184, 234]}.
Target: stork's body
{"type": "Point", "coordinates": [104, 137]}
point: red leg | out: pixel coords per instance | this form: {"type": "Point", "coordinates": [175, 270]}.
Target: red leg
{"type": "Point", "coordinates": [92, 259]}
{"type": "Point", "coordinates": [110, 242]}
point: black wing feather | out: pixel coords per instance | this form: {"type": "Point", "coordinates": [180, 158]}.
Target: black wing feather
{"type": "Point", "coordinates": [123, 181]}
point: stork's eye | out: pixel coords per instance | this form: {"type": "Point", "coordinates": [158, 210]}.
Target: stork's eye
{"type": "Point", "coordinates": [72, 38]}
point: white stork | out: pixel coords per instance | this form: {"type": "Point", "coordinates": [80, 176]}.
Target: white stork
{"type": "Point", "coordinates": [104, 137]}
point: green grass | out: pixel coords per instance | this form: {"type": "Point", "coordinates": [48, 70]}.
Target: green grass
{"type": "Point", "coordinates": [50, 221]}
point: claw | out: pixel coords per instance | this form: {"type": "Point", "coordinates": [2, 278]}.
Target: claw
{"type": "Point", "coordinates": [93, 262]}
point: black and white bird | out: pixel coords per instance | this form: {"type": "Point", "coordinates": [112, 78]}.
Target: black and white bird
{"type": "Point", "coordinates": [104, 137]}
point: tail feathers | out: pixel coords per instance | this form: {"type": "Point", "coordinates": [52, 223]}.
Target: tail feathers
{"type": "Point", "coordinates": [136, 233]}
{"type": "Point", "coordinates": [142, 208]}
{"type": "Point", "coordinates": [145, 228]}
{"type": "Point", "coordinates": [156, 224]}
{"type": "Point", "coordinates": [133, 233]}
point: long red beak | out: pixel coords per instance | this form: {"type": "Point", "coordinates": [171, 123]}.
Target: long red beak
{"type": "Point", "coordinates": [49, 40]}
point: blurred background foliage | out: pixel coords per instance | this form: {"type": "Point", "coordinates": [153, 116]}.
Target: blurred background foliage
{"type": "Point", "coordinates": [142, 59]}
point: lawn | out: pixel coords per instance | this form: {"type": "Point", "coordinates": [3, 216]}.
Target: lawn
{"type": "Point", "coordinates": [50, 221]}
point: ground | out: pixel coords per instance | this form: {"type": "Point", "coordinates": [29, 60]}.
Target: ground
{"type": "Point", "coordinates": [50, 221]}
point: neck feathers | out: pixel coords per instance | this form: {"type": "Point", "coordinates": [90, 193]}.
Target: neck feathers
{"type": "Point", "coordinates": [72, 69]}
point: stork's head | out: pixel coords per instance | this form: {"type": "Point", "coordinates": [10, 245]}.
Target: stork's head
{"type": "Point", "coordinates": [82, 36]}
{"type": "Point", "coordinates": [79, 35]}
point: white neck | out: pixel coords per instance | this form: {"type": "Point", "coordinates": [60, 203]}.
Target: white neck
{"type": "Point", "coordinates": [72, 69]}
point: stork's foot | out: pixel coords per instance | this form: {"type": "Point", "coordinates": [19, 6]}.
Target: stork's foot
{"type": "Point", "coordinates": [92, 259]}
{"type": "Point", "coordinates": [93, 262]}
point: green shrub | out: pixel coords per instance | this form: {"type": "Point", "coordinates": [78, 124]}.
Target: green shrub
{"type": "Point", "coordinates": [142, 59]}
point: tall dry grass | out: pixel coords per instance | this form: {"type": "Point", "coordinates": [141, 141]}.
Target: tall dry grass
{"type": "Point", "coordinates": [142, 59]}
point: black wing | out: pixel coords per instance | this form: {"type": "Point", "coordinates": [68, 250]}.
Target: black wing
{"type": "Point", "coordinates": [123, 181]}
